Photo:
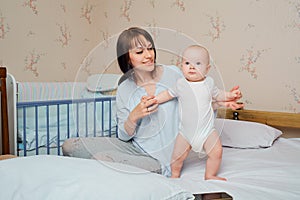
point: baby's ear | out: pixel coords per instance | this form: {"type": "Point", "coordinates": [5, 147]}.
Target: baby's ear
{"type": "Point", "coordinates": [208, 67]}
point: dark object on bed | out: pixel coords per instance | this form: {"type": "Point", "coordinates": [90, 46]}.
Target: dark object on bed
{"type": "Point", "coordinates": [213, 196]}
{"type": "Point", "coordinates": [4, 113]}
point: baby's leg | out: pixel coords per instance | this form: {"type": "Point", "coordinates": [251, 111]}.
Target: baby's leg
{"type": "Point", "coordinates": [213, 148]}
{"type": "Point", "coordinates": [180, 152]}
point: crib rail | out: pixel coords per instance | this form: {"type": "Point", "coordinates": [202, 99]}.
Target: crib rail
{"type": "Point", "coordinates": [79, 116]}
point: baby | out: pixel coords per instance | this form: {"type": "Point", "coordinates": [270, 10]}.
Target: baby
{"type": "Point", "coordinates": [198, 97]}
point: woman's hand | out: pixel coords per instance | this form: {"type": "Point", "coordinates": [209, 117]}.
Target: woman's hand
{"type": "Point", "coordinates": [147, 105]}
{"type": "Point", "coordinates": [233, 105]}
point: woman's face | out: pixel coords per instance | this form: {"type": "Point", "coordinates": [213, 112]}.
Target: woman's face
{"type": "Point", "coordinates": [142, 55]}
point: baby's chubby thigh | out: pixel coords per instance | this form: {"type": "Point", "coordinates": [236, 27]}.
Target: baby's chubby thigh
{"type": "Point", "coordinates": [197, 136]}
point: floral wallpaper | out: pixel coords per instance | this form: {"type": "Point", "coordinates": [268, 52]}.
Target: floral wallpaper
{"type": "Point", "coordinates": [253, 43]}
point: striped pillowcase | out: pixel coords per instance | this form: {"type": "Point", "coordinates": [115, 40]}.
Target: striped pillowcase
{"type": "Point", "coordinates": [39, 91]}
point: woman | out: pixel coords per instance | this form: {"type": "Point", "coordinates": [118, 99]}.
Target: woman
{"type": "Point", "coordinates": [146, 132]}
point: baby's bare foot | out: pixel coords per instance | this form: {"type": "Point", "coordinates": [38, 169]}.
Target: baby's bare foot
{"type": "Point", "coordinates": [175, 175]}
{"type": "Point", "coordinates": [215, 178]}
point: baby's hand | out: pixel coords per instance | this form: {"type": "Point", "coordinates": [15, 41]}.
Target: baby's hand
{"type": "Point", "coordinates": [234, 94]}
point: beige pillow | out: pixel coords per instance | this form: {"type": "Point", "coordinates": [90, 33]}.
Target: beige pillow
{"type": "Point", "coordinates": [103, 82]}
{"type": "Point", "coordinates": [244, 134]}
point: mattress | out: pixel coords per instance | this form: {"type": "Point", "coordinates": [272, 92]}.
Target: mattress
{"type": "Point", "coordinates": [264, 173]}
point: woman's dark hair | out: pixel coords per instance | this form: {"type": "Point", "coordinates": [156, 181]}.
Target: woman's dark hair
{"type": "Point", "coordinates": [126, 41]}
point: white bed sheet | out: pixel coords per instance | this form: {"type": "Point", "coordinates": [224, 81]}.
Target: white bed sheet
{"type": "Point", "coordinates": [47, 177]}
{"type": "Point", "coordinates": [265, 173]}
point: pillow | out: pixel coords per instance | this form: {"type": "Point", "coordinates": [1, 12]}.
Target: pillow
{"type": "Point", "coordinates": [244, 134]}
{"type": "Point", "coordinates": [67, 178]}
{"type": "Point", "coordinates": [103, 82]}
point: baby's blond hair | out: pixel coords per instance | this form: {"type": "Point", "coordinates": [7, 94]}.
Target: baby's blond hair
{"type": "Point", "coordinates": [196, 46]}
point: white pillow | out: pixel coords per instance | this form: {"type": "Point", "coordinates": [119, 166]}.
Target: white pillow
{"type": "Point", "coordinates": [244, 134]}
{"type": "Point", "coordinates": [103, 82]}
{"type": "Point", "coordinates": [67, 178]}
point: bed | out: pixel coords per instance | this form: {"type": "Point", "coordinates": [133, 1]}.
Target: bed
{"type": "Point", "coordinates": [257, 161]}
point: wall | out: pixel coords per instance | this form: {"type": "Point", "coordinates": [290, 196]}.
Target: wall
{"type": "Point", "coordinates": [47, 40]}
{"type": "Point", "coordinates": [253, 43]}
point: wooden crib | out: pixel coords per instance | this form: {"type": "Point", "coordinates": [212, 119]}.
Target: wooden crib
{"type": "Point", "coordinates": [4, 114]}
{"type": "Point", "coordinates": [36, 116]}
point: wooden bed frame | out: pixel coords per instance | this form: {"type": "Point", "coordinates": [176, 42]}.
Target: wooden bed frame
{"type": "Point", "coordinates": [277, 119]}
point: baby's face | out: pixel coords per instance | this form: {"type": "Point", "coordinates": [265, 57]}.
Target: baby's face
{"type": "Point", "coordinates": [195, 64]}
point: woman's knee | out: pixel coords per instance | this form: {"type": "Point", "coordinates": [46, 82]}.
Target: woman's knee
{"type": "Point", "coordinates": [68, 147]}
